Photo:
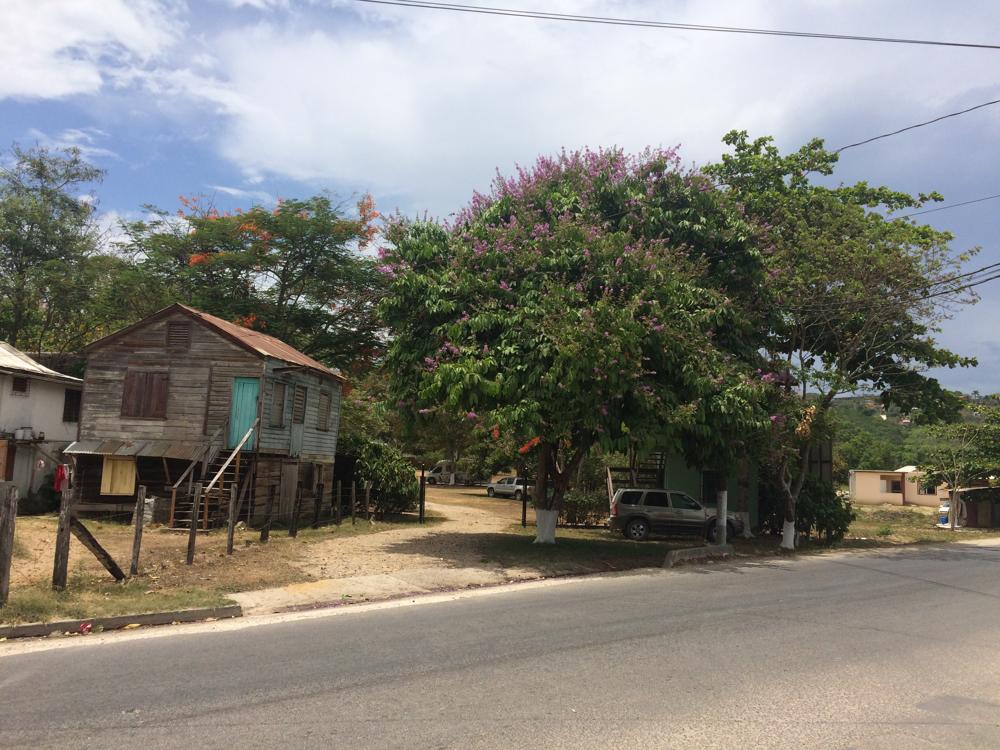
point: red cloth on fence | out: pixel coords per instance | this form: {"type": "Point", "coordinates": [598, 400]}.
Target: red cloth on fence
{"type": "Point", "coordinates": [61, 479]}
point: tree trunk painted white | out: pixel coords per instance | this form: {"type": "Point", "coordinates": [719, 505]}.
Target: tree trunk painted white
{"type": "Point", "coordinates": [545, 526]}
{"type": "Point", "coordinates": [788, 535]}
{"type": "Point", "coordinates": [721, 516]}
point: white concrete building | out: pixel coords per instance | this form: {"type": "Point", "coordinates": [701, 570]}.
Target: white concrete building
{"type": "Point", "coordinates": [39, 412]}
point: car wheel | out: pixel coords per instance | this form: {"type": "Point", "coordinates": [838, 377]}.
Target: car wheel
{"type": "Point", "coordinates": [713, 533]}
{"type": "Point", "coordinates": [637, 529]}
{"type": "Point", "coordinates": [517, 494]}
{"type": "Point", "coordinates": [431, 480]}
{"type": "Point", "coordinates": [489, 492]}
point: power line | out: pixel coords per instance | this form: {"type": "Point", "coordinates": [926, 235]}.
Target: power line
{"type": "Point", "coordinates": [951, 205]}
{"type": "Point", "coordinates": [912, 127]}
{"type": "Point", "coordinates": [643, 23]}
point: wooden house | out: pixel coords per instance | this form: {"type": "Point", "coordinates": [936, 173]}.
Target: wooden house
{"type": "Point", "coordinates": [182, 399]}
{"type": "Point", "coordinates": [39, 411]}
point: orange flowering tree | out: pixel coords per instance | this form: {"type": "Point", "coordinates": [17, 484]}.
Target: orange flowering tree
{"type": "Point", "coordinates": [597, 298]}
{"type": "Point", "coordinates": [297, 271]}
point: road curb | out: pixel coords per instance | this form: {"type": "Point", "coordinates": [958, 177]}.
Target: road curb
{"type": "Point", "coordinates": [86, 625]}
{"type": "Point", "coordinates": [697, 554]}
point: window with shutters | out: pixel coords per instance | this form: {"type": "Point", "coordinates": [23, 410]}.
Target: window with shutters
{"type": "Point", "coordinates": [323, 420]}
{"type": "Point", "coordinates": [118, 476]}
{"type": "Point", "coordinates": [145, 394]}
{"type": "Point", "coordinates": [299, 405]}
{"type": "Point", "coordinates": [71, 405]}
{"type": "Point", "coordinates": [179, 336]}
{"type": "Point", "coordinates": [20, 386]}
{"type": "Point", "coordinates": [278, 405]}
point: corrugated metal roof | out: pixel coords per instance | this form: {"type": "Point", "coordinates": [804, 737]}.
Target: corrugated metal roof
{"type": "Point", "coordinates": [147, 448]}
{"type": "Point", "coordinates": [14, 360]}
{"type": "Point", "coordinates": [269, 346]}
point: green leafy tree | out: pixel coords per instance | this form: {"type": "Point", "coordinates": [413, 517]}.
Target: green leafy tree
{"type": "Point", "coordinates": [47, 235]}
{"type": "Point", "coordinates": [965, 453]}
{"type": "Point", "coordinates": [294, 271]}
{"type": "Point", "coordinates": [847, 292]}
{"type": "Point", "coordinates": [595, 299]}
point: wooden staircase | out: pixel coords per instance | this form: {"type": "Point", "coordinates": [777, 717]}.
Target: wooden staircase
{"type": "Point", "coordinates": [222, 471]}
{"type": "Point", "coordinates": [214, 507]}
{"type": "Point", "coordinates": [646, 473]}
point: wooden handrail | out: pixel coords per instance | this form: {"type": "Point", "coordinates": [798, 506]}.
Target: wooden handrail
{"type": "Point", "coordinates": [199, 456]}
{"type": "Point", "coordinates": [232, 455]}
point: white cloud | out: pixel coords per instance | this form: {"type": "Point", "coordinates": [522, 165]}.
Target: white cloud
{"type": "Point", "coordinates": [57, 48]}
{"type": "Point", "coordinates": [259, 196]}
{"type": "Point", "coordinates": [423, 105]}
{"type": "Point", "coordinates": [83, 139]}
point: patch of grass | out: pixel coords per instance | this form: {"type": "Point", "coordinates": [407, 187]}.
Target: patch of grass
{"type": "Point", "coordinates": [895, 525]}
{"type": "Point", "coordinates": [578, 549]}
{"type": "Point", "coordinates": [883, 531]}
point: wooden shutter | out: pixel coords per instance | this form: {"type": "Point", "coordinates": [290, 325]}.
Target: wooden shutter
{"type": "Point", "coordinates": [156, 395]}
{"type": "Point", "coordinates": [144, 394]}
{"type": "Point", "coordinates": [179, 336]}
{"type": "Point", "coordinates": [323, 422]}
{"type": "Point", "coordinates": [299, 405]}
{"type": "Point", "coordinates": [278, 405]}
{"type": "Point", "coordinates": [132, 390]}
{"type": "Point", "coordinates": [118, 476]}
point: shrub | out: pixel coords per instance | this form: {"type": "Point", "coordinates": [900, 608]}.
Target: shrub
{"type": "Point", "coordinates": [394, 484]}
{"type": "Point", "coordinates": [45, 500]}
{"type": "Point", "coordinates": [584, 507]}
{"type": "Point", "coordinates": [822, 511]}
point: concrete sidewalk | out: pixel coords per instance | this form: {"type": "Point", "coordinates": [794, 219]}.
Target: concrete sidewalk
{"type": "Point", "coordinates": [368, 588]}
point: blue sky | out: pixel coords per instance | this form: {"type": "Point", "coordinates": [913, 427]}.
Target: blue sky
{"type": "Point", "coordinates": [248, 100]}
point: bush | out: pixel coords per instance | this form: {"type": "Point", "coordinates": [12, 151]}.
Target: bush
{"type": "Point", "coordinates": [820, 510]}
{"type": "Point", "coordinates": [584, 507]}
{"type": "Point", "coordinates": [394, 484]}
{"type": "Point", "coordinates": [45, 500]}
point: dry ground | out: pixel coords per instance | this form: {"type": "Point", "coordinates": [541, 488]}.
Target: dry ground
{"type": "Point", "coordinates": [467, 534]}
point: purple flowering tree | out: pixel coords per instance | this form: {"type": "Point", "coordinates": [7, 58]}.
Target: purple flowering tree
{"type": "Point", "coordinates": [594, 298]}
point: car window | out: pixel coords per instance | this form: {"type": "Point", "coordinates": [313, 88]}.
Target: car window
{"type": "Point", "coordinates": [506, 480]}
{"type": "Point", "coordinates": [630, 497]}
{"type": "Point", "coordinates": [683, 502]}
{"type": "Point", "coordinates": [656, 500]}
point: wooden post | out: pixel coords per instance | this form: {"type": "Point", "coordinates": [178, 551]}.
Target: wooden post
{"type": "Point", "coordinates": [293, 527]}
{"type": "Point", "coordinates": [173, 505]}
{"type": "Point", "coordinates": [204, 503]}
{"type": "Point", "coordinates": [193, 529]}
{"type": "Point", "coordinates": [231, 530]}
{"type": "Point", "coordinates": [265, 530]}
{"type": "Point", "coordinates": [317, 501]}
{"type": "Point", "coordinates": [87, 540]}
{"type": "Point", "coordinates": [61, 563]}
{"type": "Point", "coordinates": [8, 517]}
{"type": "Point", "coordinates": [354, 502]}
{"type": "Point", "coordinates": [140, 509]}
{"type": "Point", "coordinates": [338, 511]}
{"type": "Point", "coordinates": [423, 494]}
{"type": "Point", "coordinates": [368, 500]}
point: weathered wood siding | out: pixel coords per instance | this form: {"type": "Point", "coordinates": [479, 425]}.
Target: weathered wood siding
{"type": "Point", "coordinates": [199, 391]}
{"type": "Point", "coordinates": [317, 445]}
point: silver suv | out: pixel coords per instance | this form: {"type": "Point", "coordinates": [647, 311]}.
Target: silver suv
{"type": "Point", "coordinates": [637, 513]}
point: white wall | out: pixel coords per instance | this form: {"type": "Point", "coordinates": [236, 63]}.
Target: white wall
{"type": "Point", "coordinates": [41, 409]}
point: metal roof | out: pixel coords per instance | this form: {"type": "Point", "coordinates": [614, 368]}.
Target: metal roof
{"type": "Point", "coordinates": [15, 361]}
{"type": "Point", "coordinates": [255, 341]}
{"type": "Point", "coordinates": [149, 448]}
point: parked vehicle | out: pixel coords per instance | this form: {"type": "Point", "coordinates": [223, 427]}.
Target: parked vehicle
{"type": "Point", "coordinates": [445, 472]}
{"type": "Point", "coordinates": [508, 487]}
{"type": "Point", "coordinates": [637, 513]}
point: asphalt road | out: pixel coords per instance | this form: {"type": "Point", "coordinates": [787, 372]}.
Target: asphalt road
{"type": "Point", "coordinates": [896, 650]}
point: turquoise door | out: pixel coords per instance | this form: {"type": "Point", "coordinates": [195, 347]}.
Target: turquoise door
{"type": "Point", "coordinates": [243, 411]}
